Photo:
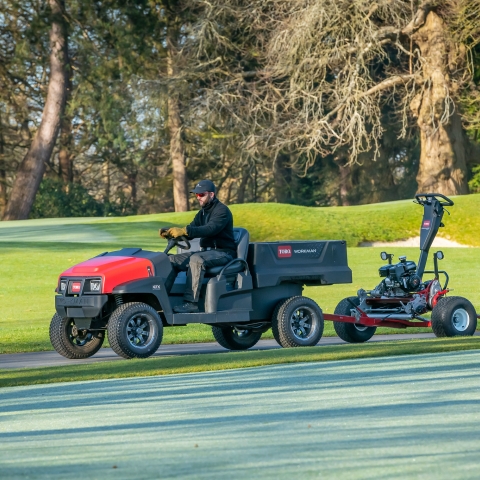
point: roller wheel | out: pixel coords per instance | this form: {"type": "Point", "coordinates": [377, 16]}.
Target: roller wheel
{"type": "Point", "coordinates": [135, 330]}
{"type": "Point", "coordinates": [236, 338]}
{"type": "Point", "coordinates": [351, 332]}
{"type": "Point", "coordinates": [453, 317]}
{"type": "Point", "coordinates": [70, 342]}
{"type": "Point", "coordinates": [297, 322]}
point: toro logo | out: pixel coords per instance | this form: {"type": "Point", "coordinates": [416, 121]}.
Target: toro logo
{"type": "Point", "coordinates": [426, 224]}
{"type": "Point", "coordinates": [76, 287]}
{"type": "Point", "coordinates": [284, 251]}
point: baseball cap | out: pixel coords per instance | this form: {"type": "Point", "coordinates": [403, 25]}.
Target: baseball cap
{"type": "Point", "coordinates": [204, 186]}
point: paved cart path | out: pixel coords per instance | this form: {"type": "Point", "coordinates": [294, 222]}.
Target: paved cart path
{"type": "Point", "coordinates": [395, 417]}
{"type": "Point", "coordinates": [52, 359]}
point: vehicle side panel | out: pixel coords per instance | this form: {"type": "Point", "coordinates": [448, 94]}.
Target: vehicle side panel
{"type": "Point", "coordinates": [265, 300]}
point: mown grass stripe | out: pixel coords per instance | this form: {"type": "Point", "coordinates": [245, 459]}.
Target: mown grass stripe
{"type": "Point", "coordinates": [230, 360]}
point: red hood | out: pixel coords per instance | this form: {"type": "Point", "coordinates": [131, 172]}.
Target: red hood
{"type": "Point", "coordinates": [112, 270]}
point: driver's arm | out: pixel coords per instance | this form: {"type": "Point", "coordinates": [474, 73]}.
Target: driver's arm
{"type": "Point", "coordinates": [216, 223]}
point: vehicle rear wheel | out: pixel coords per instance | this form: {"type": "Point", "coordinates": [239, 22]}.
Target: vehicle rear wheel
{"type": "Point", "coordinates": [454, 316]}
{"type": "Point", "coordinates": [351, 332]}
{"type": "Point", "coordinates": [135, 330]}
{"type": "Point", "coordinates": [70, 342]}
{"type": "Point", "coordinates": [297, 322]}
{"type": "Point", "coordinates": [236, 338]}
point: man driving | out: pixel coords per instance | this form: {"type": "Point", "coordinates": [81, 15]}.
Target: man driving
{"type": "Point", "coordinates": [213, 224]}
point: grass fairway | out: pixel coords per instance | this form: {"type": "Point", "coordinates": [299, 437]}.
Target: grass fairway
{"type": "Point", "coordinates": [272, 221]}
{"type": "Point", "coordinates": [230, 360]}
{"type": "Point", "coordinates": [405, 417]}
{"type": "Point", "coordinates": [34, 252]}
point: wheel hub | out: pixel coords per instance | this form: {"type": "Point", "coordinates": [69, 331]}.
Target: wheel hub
{"type": "Point", "coordinates": [139, 330]}
{"type": "Point", "coordinates": [301, 323]}
{"type": "Point", "coordinates": [461, 319]}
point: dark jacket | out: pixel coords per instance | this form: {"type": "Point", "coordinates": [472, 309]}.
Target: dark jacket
{"type": "Point", "coordinates": [213, 224]}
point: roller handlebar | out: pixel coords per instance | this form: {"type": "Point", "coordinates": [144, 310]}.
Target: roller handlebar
{"type": "Point", "coordinates": [422, 198]}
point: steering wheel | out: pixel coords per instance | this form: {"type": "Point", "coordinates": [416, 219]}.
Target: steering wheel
{"type": "Point", "coordinates": [421, 198]}
{"type": "Point", "coordinates": [175, 242]}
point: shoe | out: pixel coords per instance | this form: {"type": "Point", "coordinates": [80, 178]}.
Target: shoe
{"type": "Point", "coordinates": [187, 307]}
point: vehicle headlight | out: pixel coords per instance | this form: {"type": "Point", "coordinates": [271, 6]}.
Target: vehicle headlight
{"type": "Point", "coordinates": [95, 286]}
{"type": "Point", "coordinates": [63, 285]}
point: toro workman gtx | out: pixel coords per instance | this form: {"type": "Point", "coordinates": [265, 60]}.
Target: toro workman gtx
{"type": "Point", "coordinates": [403, 297]}
{"type": "Point", "coordinates": [122, 293]}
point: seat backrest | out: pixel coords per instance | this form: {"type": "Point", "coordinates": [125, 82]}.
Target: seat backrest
{"type": "Point", "coordinates": [242, 239]}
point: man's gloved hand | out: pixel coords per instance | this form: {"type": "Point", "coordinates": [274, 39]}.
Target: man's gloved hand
{"type": "Point", "coordinates": [163, 232]}
{"type": "Point", "coordinates": [175, 232]}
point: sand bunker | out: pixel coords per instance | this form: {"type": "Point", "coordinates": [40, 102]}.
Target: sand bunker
{"type": "Point", "coordinates": [415, 242]}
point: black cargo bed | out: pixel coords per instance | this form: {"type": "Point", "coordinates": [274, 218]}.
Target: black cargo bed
{"type": "Point", "coordinates": [305, 262]}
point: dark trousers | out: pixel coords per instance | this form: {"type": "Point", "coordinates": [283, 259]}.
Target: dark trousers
{"type": "Point", "coordinates": [195, 264]}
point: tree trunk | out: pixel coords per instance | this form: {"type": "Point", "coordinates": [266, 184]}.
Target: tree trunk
{"type": "Point", "coordinates": [177, 152]}
{"type": "Point", "coordinates": [443, 166]}
{"type": "Point", "coordinates": [106, 182]}
{"type": "Point", "coordinates": [243, 185]}
{"type": "Point", "coordinates": [225, 184]}
{"type": "Point", "coordinates": [32, 168]}
{"type": "Point", "coordinates": [228, 195]}
{"type": "Point", "coordinates": [281, 185]}
{"type": "Point", "coordinates": [345, 173]}
{"type": "Point", "coordinates": [3, 175]}
{"type": "Point", "coordinates": [65, 157]}
{"type": "Point", "coordinates": [254, 183]}
{"type": "Point", "coordinates": [132, 181]}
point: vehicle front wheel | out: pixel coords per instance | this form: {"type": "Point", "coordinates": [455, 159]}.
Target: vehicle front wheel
{"type": "Point", "coordinates": [236, 338]}
{"type": "Point", "coordinates": [454, 316]}
{"type": "Point", "coordinates": [297, 322]}
{"type": "Point", "coordinates": [71, 342]}
{"type": "Point", "coordinates": [351, 332]}
{"type": "Point", "coordinates": [135, 330]}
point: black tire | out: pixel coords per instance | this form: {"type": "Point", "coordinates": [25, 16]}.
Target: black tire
{"type": "Point", "coordinates": [233, 338]}
{"type": "Point", "coordinates": [123, 334]}
{"type": "Point", "coordinates": [454, 317]}
{"type": "Point", "coordinates": [70, 342]}
{"type": "Point", "coordinates": [351, 332]}
{"type": "Point", "coordinates": [297, 322]}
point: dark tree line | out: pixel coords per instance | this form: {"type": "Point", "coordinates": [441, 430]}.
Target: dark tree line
{"type": "Point", "coordinates": [115, 107]}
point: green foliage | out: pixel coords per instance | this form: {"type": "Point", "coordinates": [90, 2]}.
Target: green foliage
{"type": "Point", "coordinates": [474, 183]}
{"type": "Point", "coordinates": [117, 112]}
{"type": "Point", "coordinates": [54, 199]}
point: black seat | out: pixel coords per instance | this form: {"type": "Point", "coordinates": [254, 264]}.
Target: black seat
{"type": "Point", "coordinates": [242, 239]}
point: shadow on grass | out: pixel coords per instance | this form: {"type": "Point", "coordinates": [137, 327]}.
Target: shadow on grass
{"type": "Point", "coordinates": [225, 361]}
{"type": "Point", "coordinates": [391, 371]}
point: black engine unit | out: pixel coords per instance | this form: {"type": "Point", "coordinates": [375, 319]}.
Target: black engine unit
{"type": "Point", "coordinates": [402, 274]}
